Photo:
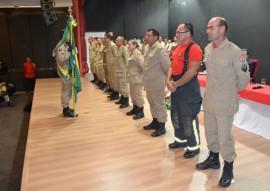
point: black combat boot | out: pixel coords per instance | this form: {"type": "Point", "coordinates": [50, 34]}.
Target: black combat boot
{"type": "Point", "coordinates": [98, 82]}
{"type": "Point", "coordinates": [139, 114]}
{"type": "Point", "coordinates": [125, 103]}
{"type": "Point", "coordinates": [176, 145]}
{"type": "Point", "coordinates": [109, 90]}
{"type": "Point", "coordinates": [101, 85]}
{"type": "Point", "coordinates": [121, 100]}
{"type": "Point", "coordinates": [160, 130]}
{"type": "Point", "coordinates": [67, 112]}
{"type": "Point", "coordinates": [110, 93]}
{"type": "Point", "coordinates": [227, 175]}
{"type": "Point", "coordinates": [152, 125]}
{"type": "Point", "coordinates": [190, 154]}
{"type": "Point", "coordinates": [114, 95]}
{"type": "Point", "coordinates": [105, 88]}
{"type": "Point", "coordinates": [133, 111]}
{"type": "Point", "coordinates": [212, 161]}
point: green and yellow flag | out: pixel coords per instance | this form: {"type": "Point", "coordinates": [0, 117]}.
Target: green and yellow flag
{"type": "Point", "coordinates": [73, 68]}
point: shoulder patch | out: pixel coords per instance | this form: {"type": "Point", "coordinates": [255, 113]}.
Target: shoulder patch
{"type": "Point", "coordinates": [244, 68]}
{"type": "Point", "coordinates": [242, 58]}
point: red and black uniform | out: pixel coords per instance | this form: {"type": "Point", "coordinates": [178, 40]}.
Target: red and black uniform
{"type": "Point", "coordinates": [29, 75]}
{"type": "Point", "coordinates": [186, 100]}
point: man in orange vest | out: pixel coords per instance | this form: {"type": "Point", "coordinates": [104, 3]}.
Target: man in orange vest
{"type": "Point", "coordinates": [29, 74]}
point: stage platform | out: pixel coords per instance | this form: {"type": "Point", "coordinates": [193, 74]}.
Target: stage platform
{"type": "Point", "coordinates": [105, 150]}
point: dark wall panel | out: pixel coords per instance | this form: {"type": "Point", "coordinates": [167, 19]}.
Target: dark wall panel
{"type": "Point", "coordinates": [105, 15]}
{"type": "Point", "coordinates": [127, 18]}
{"type": "Point", "coordinates": [153, 14]}
{"type": "Point", "coordinates": [39, 41]}
{"type": "Point", "coordinates": [5, 53]}
{"type": "Point", "coordinates": [20, 40]}
{"type": "Point", "coordinates": [130, 26]}
{"type": "Point", "coordinates": [194, 11]}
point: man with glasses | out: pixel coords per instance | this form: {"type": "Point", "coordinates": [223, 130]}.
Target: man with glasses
{"type": "Point", "coordinates": [227, 74]}
{"type": "Point", "coordinates": [156, 64]}
{"type": "Point", "coordinates": [186, 98]}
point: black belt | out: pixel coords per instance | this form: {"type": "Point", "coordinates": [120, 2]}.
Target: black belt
{"type": "Point", "coordinates": [177, 77]}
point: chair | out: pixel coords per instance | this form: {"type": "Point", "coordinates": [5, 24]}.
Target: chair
{"type": "Point", "coordinates": [256, 65]}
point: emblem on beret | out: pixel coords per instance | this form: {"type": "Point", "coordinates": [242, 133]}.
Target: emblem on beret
{"type": "Point", "coordinates": [180, 54]}
{"type": "Point", "coordinates": [242, 58]}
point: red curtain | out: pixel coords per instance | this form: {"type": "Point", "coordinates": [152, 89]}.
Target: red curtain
{"type": "Point", "coordinates": [79, 15]}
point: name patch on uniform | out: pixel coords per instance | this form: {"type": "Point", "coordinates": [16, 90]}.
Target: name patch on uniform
{"type": "Point", "coordinates": [242, 58]}
{"type": "Point", "coordinates": [180, 54]}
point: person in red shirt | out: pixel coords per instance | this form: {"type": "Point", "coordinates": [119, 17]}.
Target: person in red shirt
{"type": "Point", "coordinates": [29, 74]}
{"type": "Point", "coordinates": [185, 97]}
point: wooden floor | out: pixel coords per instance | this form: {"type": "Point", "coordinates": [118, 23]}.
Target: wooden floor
{"type": "Point", "coordinates": [105, 150]}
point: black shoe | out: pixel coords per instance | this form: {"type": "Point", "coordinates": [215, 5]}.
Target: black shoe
{"type": "Point", "coordinates": [140, 114]}
{"type": "Point", "coordinates": [109, 90]}
{"type": "Point", "coordinates": [133, 111]}
{"type": "Point", "coordinates": [160, 130]}
{"type": "Point", "coordinates": [121, 100]}
{"type": "Point", "coordinates": [101, 85]}
{"type": "Point", "coordinates": [67, 112]}
{"type": "Point", "coordinates": [176, 145]}
{"type": "Point", "coordinates": [152, 125]}
{"type": "Point", "coordinates": [105, 88]}
{"type": "Point", "coordinates": [125, 103]}
{"type": "Point", "coordinates": [111, 94]}
{"type": "Point", "coordinates": [98, 82]}
{"type": "Point", "coordinates": [190, 154]}
{"type": "Point", "coordinates": [227, 175]}
{"type": "Point", "coordinates": [72, 110]}
{"type": "Point", "coordinates": [114, 95]}
{"type": "Point", "coordinates": [212, 161]}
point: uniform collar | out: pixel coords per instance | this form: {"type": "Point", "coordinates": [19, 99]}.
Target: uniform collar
{"type": "Point", "coordinates": [155, 44]}
{"type": "Point", "coordinates": [186, 45]}
{"type": "Point", "coordinates": [222, 45]}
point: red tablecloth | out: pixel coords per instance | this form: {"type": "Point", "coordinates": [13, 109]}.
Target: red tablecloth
{"type": "Point", "coordinates": [257, 95]}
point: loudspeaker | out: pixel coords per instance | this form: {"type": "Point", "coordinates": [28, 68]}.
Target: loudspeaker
{"type": "Point", "coordinates": [48, 11]}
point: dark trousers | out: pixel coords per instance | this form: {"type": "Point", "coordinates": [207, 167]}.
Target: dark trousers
{"type": "Point", "coordinates": [184, 118]}
{"type": "Point", "coordinates": [30, 84]}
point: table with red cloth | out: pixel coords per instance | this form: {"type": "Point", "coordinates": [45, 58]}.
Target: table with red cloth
{"type": "Point", "coordinates": [254, 108]}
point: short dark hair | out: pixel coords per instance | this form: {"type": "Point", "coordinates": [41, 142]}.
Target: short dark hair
{"type": "Point", "coordinates": [223, 22]}
{"type": "Point", "coordinates": [244, 49]}
{"type": "Point", "coordinates": [108, 36]}
{"type": "Point", "coordinates": [189, 27]}
{"type": "Point", "coordinates": [154, 32]}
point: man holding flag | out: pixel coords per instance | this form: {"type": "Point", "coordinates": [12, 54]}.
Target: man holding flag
{"type": "Point", "coordinates": [68, 69]}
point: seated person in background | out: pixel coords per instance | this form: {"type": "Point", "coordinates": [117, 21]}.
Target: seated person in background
{"type": "Point", "coordinates": [250, 63]}
{"type": "Point", "coordinates": [3, 93]}
{"type": "Point", "coordinates": [3, 72]}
